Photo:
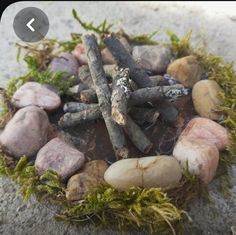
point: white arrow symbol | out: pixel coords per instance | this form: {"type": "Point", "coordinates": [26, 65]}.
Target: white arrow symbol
{"type": "Point", "coordinates": [29, 25]}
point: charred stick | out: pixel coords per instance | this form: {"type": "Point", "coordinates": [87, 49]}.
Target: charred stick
{"type": "Point", "coordinates": [74, 119]}
{"type": "Point", "coordinates": [137, 136]}
{"type": "Point", "coordinates": [120, 96]}
{"type": "Point", "coordinates": [144, 115]}
{"type": "Point", "coordinates": [125, 60]}
{"type": "Point", "coordinates": [73, 107]}
{"type": "Point", "coordinates": [150, 94]}
{"type": "Point", "coordinates": [104, 96]}
{"type": "Point", "coordinates": [85, 76]}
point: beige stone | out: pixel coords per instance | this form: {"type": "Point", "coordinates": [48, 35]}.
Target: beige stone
{"type": "Point", "coordinates": [206, 100]}
{"type": "Point", "coordinates": [86, 180]}
{"type": "Point", "coordinates": [156, 171]}
{"type": "Point", "coordinates": [186, 70]}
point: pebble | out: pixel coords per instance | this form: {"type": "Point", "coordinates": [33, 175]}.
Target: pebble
{"type": "Point", "coordinates": [87, 179]}
{"type": "Point", "coordinates": [205, 97]}
{"type": "Point", "coordinates": [80, 54]}
{"type": "Point", "coordinates": [36, 94]}
{"type": "Point", "coordinates": [207, 130]}
{"type": "Point", "coordinates": [155, 58]}
{"type": "Point", "coordinates": [108, 58]}
{"type": "Point", "coordinates": [155, 171]}
{"type": "Point", "coordinates": [66, 63]}
{"type": "Point", "coordinates": [60, 157]}
{"type": "Point", "coordinates": [186, 70]}
{"type": "Point", "coordinates": [26, 132]}
{"type": "Point", "coordinates": [198, 156]}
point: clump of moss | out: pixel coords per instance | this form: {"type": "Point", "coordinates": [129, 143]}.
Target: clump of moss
{"type": "Point", "coordinates": [71, 44]}
{"type": "Point", "coordinates": [25, 174]}
{"type": "Point", "coordinates": [180, 47]}
{"type": "Point", "coordinates": [135, 208]}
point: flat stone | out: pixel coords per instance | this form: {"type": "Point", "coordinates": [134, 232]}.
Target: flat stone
{"type": "Point", "coordinates": [155, 58]}
{"type": "Point", "coordinates": [198, 156]}
{"type": "Point", "coordinates": [186, 70]}
{"type": "Point", "coordinates": [87, 179]}
{"type": "Point", "coordinates": [157, 171]}
{"type": "Point", "coordinates": [36, 94]}
{"type": "Point", "coordinates": [66, 63]}
{"type": "Point", "coordinates": [207, 130]}
{"type": "Point", "coordinates": [60, 157]}
{"type": "Point", "coordinates": [206, 100]}
{"type": "Point", "coordinates": [26, 132]}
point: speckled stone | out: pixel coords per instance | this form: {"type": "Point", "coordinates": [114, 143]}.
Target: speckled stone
{"type": "Point", "coordinates": [60, 157]}
{"type": "Point", "coordinates": [26, 132]}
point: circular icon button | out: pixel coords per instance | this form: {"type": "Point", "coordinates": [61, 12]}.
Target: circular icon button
{"type": "Point", "coordinates": [31, 24]}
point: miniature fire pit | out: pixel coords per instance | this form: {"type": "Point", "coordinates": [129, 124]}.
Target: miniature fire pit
{"type": "Point", "coordinates": [118, 128]}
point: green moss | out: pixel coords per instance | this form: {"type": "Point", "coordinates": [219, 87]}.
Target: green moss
{"type": "Point", "coordinates": [180, 47]}
{"type": "Point", "coordinates": [70, 44]}
{"type": "Point", "coordinates": [25, 174]}
{"type": "Point", "coordinates": [149, 209]}
{"type": "Point", "coordinates": [101, 29]}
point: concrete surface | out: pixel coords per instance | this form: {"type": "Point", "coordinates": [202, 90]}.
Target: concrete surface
{"type": "Point", "coordinates": [212, 23]}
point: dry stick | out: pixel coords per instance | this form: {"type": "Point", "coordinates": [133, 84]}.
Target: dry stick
{"type": "Point", "coordinates": [85, 76]}
{"type": "Point", "coordinates": [74, 107]}
{"type": "Point", "coordinates": [144, 115]}
{"type": "Point", "coordinates": [120, 96]}
{"type": "Point", "coordinates": [103, 93]}
{"type": "Point", "coordinates": [74, 119]}
{"type": "Point", "coordinates": [137, 136]}
{"type": "Point", "coordinates": [150, 94]}
{"type": "Point", "coordinates": [125, 60]}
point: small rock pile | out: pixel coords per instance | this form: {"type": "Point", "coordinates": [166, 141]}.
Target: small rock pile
{"type": "Point", "coordinates": [29, 132]}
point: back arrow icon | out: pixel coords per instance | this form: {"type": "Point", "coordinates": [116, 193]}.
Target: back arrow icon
{"type": "Point", "coordinates": [29, 25]}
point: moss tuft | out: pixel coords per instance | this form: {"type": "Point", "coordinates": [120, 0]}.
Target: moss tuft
{"type": "Point", "coordinates": [25, 174]}
{"type": "Point", "coordinates": [149, 209]}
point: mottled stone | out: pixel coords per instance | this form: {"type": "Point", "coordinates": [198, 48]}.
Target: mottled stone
{"type": "Point", "coordinates": [86, 180]}
{"type": "Point", "coordinates": [157, 171]}
{"type": "Point", "coordinates": [186, 70]}
{"type": "Point", "coordinates": [200, 157]}
{"type": "Point", "coordinates": [205, 97]}
{"type": "Point", "coordinates": [26, 132]}
{"type": "Point", "coordinates": [36, 94]}
{"type": "Point", "coordinates": [108, 58]}
{"type": "Point", "coordinates": [66, 63]}
{"type": "Point", "coordinates": [60, 157]}
{"type": "Point", "coordinates": [152, 57]}
{"type": "Point", "coordinates": [207, 130]}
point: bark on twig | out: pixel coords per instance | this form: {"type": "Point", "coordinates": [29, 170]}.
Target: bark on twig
{"type": "Point", "coordinates": [104, 96]}
{"type": "Point", "coordinates": [74, 107]}
{"type": "Point", "coordinates": [74, 119]}
{"type": "Point", "coordinates": [137, 136]}
{"type": "Point", "coordinates": [85, 76]}
{"type": "Point", "coordinates": [144, 115]}
{"type": "Point", "coordinates": [150, 94]}
{"type": "Point", "coordinates": [125, 60]}
{"type": "Point", "coordinates": [120, 96]}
